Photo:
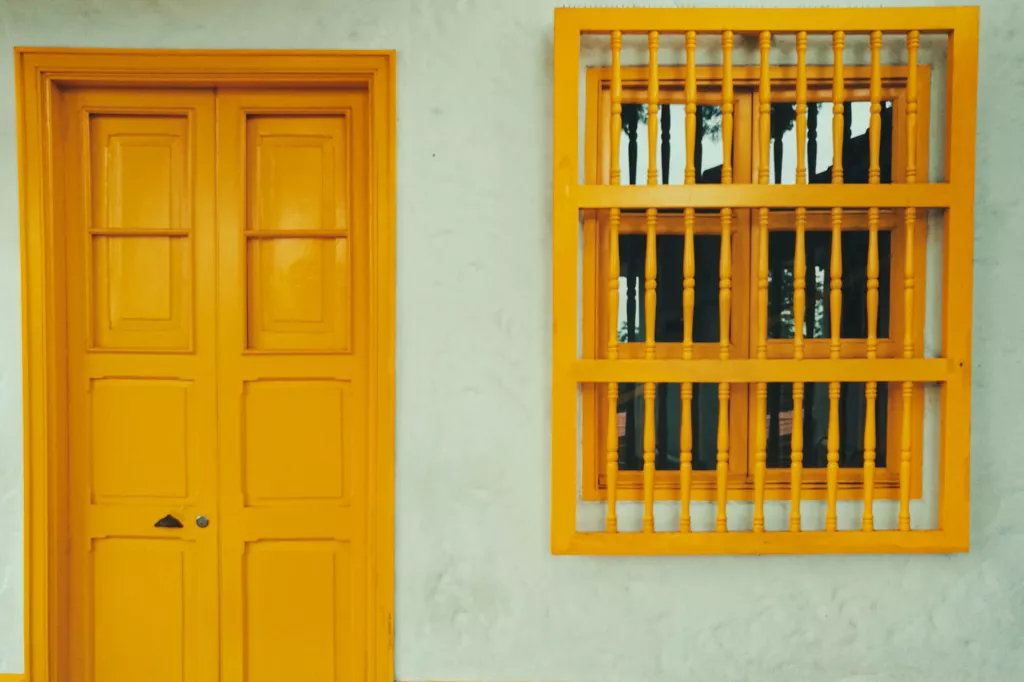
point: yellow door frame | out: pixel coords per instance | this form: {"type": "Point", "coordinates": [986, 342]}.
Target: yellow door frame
{"type": "Point", "coordinates": [41, 75]}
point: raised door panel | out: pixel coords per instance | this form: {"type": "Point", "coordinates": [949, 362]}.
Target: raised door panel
{"type": "Point", "coordinates": [142, 433]}
{"type": "Point", "coordinates": [141, 385]}
{"type": "Point", "coordinates": [295, 434]}
{"type": "Point", "coordinates": [294, 365]}
{"type": "Point", "coordinates": [145, 614]}
{"type": "Point", "coordinates": [139, 218]}
{"type": "Point", "coordinates": [297, 624]}
{"type": "Point", "coordinates": [298, 200]}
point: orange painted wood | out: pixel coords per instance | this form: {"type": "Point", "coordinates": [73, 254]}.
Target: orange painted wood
{"type": "Point", "coordinates": [753, 20]}
{"type": "Point", "coordinates": [836, 279]}
{"type": "Point", "coordinates": [833, 361]}
{"type": "Point", "coordinates": [133, 296]}
{"type": "Point", "coordinates": [760, 414]}
{"type": "Point", "coordinates": [724, 290]}
{"type": "Point", "coordinates": [899, 195]}
{"type": "Point", "coordinates": [651, 280]}
{"type": "Point", "coordinates": [799, 287]}
{"type": "Point", "coordinates": [909, 284]}
{"type": "Point", "coordinates": [772, 370]}
{"type": "Point", "coordinates": [293, 513]}
{"type": "Point", "coordinates": [689, 268]}
{"type": "Point", "coordinates": [142, 230]}
{"type": "Point", "coordinates": [871, 387]}
{"type": "Point", "coordinates": [612, 446]}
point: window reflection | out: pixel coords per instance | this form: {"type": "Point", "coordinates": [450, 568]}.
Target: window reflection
{"type": "Point", "coordinates": [852, 408]}
{"type": "Point", "coordinates": [671, 149]}
{"type": "Point", "coordinates": [819, 151]}
{"type": "Point", "coordinates": [667, 422]}
{"type": "Point", "coordinates": [818, 254]}
{"type": "Point", "coordinates": [668, 324]}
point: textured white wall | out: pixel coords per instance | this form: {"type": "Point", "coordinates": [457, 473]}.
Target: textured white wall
{"type": "Point", "coordinates": [479, 597]}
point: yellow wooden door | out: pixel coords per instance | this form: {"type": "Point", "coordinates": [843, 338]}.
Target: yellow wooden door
{"type": "Point", "coordinates": [140, 249]}
{"type": "Point", "coordinates": [293, 377]}
{"type": "Point", "coordinates": [218, 295]}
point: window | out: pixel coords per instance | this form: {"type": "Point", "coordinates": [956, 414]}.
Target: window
{"type": "Point", "coordinates": [783, 417]}
{"type": "Point", "coordinates": [668, 326]}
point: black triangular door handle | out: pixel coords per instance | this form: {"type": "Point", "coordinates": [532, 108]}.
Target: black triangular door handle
{"type": "Point", "coordinates": [168, 522]}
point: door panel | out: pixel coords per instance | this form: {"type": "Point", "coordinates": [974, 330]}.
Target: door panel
{"type": "Point", "coordinates": [133, 416]}
{"type": "Point", "coordinates": [141, 384]}
{"type": "Point", "coordinates": [299, 204]}
{"type": "Point", "coordinates": [293, 373]}
{"type": "Point", "coordinates": [296, 595]}
{"type": "Point", "coordinates": [145, 619]}
{"type": "Point", "coordinates": [141, 179]}
{"type": "Point", "coordinates": [305, 419]}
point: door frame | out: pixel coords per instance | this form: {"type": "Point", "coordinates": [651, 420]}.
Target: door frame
{"type": "Point", "coordinates": [41, 74]}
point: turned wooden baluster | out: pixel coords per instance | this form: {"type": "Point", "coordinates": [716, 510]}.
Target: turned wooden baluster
{"type": "Point", "coordinates": [764, 140]}
{"type": "Point", "coordinates": [724, 288]}
{"type": "Point", "coordinates": [836, 284]}
{"type": "Point", "coordinates": [612, 455]}
{"type": "Point", "coordinates": [874, 177]}
{"type": "Point", "coordinates": [796, 462]}
{"type": "Point", "coordinates": [686, 392]}
{"type": "Point", "coordinates": [651, 284]}
{"type": "Point", "coordinates": [910, 219]}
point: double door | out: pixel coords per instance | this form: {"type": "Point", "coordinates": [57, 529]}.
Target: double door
{"type": "Point", "coordinates": [216, 269]}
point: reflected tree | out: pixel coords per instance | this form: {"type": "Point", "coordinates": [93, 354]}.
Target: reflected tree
{"type": "Point", "coordinates": [783, 118]}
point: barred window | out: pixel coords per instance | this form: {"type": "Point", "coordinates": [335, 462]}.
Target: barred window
{"type": "Point", "coordinates": [750, 303]}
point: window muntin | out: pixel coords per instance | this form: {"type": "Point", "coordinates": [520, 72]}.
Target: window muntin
{"type": "Point", "coordinates": [668, 324]}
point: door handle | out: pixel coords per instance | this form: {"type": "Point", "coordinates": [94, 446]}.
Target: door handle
{"type": "Point", "coordinates": [168, 522]}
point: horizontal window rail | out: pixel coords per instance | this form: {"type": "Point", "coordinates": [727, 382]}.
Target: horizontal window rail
{"type": "Point", "coordinates": [915, 370]}
{"type": "Point", "coordinates": [933, 195]}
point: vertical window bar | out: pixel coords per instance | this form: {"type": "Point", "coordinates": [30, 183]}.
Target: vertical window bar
{"type": "Point", "coordinates": [910, 217]}
{"type": "Point", "coordinates": [651, 273]}
{"type": "Point", "coordinates": [762, 283]}
{"type": "Point", "coordinates": [612, 455]}
{"type": "Point", "coordinates": [724, 288]}
{"type": "Point", "coordinates": [689, 178]}
{"type": "Point", "coordinates": [796, 465]}
{"type": "Point", "coordinates": [874, 177]}
{"type": "Point", "coordinates": [836, 266]}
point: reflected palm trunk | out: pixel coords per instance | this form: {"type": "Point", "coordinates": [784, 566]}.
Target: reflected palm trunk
{"type": "Point", "coordinates": [666, 147]}
{"type": "Point", "coordinates": [812, 141]}
{"type": "Point", "coordinates": [698, 149]}
{"type": "Point", "coordinates": [630, 121]}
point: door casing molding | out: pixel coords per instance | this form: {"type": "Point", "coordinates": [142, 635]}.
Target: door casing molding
{"type": "Point", "coordinates": [41, 75]}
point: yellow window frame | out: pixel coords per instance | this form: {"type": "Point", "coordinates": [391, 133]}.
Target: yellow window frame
{"type": "Point", "coordinates": [572, 370]}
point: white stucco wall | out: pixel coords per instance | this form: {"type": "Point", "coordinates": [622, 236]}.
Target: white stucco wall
{"type": "Point", "coordinates": [478, 596]}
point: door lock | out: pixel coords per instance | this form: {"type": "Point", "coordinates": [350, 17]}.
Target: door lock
{"type": "Point", "coordinates": [202, 521]}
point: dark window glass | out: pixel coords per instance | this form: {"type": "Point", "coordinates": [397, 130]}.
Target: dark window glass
{"type": "Point", "coordinates": [819, 151]}
{"type": "Point", "coordinates": [852, 407]}
{"type": "Point", "coordinates": [668, 325]}
{"type": "Point", "coordinates": [854, 323]}
{"type": "Point", "coordinates": [667, 421]}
